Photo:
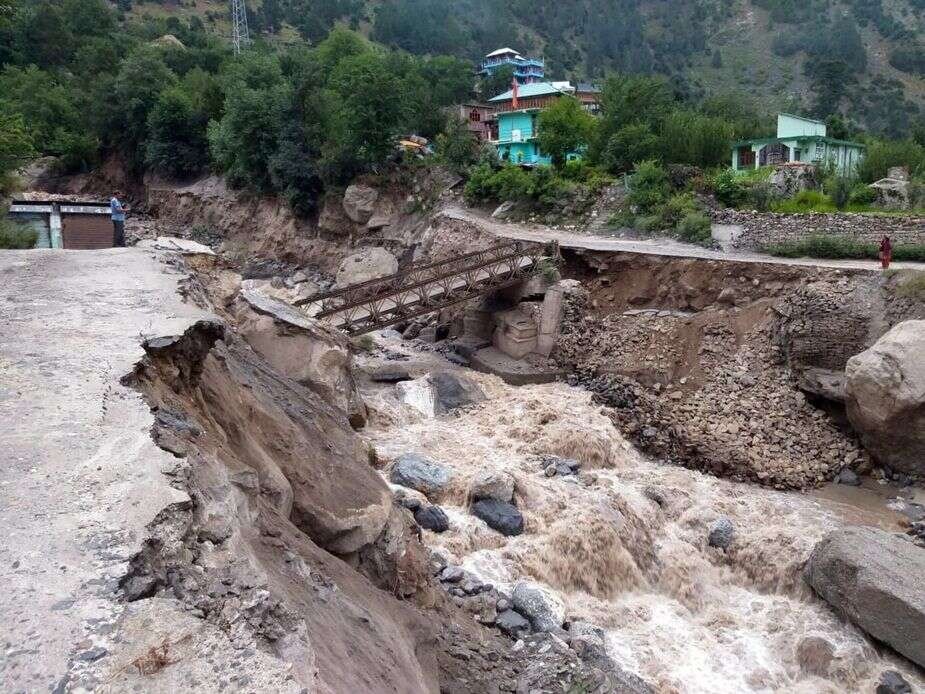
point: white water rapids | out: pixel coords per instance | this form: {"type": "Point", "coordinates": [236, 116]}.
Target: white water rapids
{"type": "Point", "coordinates": [682, 615]}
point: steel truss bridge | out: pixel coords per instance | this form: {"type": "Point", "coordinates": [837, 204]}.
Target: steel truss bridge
{"type": "Point", "coordinates": [423, 288]}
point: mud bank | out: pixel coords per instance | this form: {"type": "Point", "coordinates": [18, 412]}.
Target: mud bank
{"type": "Point", "coordinates": [624, 543]}
{"type": "Point", "coordinates": [718, 366]}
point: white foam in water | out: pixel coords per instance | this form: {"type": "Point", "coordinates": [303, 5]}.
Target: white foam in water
{"type": "Point", "coordinates": [686, 618]}
{"type": "Point", "coordinates": [419, 394]}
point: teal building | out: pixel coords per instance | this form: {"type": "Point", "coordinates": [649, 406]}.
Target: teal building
{"type": "Point", "coordinates": [517, 121]}
{"type": "Point", "coordinates": [526, 70]}
{"type": "Point", "coordinates": [798, 140]}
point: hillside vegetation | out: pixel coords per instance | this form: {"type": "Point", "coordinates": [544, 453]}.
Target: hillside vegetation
{"type": "Point", "coordinates": [864, 59]}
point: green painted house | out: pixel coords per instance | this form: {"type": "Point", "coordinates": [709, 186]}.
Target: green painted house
{"type": "Point", "coordinates": [798, 140]}
{"type": "Point", "coordinates": [517, 116]}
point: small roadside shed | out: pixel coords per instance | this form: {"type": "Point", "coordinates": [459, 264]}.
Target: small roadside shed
{"type": "Point", "coordinates": [65, 224]}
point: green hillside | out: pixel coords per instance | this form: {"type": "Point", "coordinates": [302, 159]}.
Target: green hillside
{"type": "Point", "coordinates": [864, 59]}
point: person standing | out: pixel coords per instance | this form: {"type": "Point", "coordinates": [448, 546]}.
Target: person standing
{"type": "Point", "coordinates": [886, 252]}
{"type": "Point", "coordinates": [118, 222]}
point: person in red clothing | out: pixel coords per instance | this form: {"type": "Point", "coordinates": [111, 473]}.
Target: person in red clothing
{"type": "Point", "coordinates": [886, 252]}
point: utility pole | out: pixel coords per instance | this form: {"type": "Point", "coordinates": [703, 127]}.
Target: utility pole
{"type": "Point", "coordinates": [240, 37]}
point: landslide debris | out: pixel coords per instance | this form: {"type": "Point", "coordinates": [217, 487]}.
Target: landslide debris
{"type": "Point", "coordinates": [706, 388]}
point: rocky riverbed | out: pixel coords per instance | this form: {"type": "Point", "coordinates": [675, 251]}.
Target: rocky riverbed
{"type": "Point", "coordinates": [689, 582]}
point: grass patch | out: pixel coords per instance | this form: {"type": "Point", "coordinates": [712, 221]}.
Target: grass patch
{"type": "Point", "coordinates": [912, 286]}
{"type": "Point", "coordinates": [16, 236]}
{"type": "Point", "coordinates": [836, 247]}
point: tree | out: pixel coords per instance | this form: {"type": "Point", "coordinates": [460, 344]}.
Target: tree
{"type": "Point", "coordinates": [177, 146]}
{"type": "Point", "coordinates": [564, 127]}
{"type": "Point", "coordinates": [497, 82]}
{"type": "Point", "coordinates": [15, 148]}
{"type": "Point", "coordinates": [630, 144]}
{"type": "Point", "coordinates": [365, 112]}
{"type": "Point", "coordinates": [457, 146]}
{"type": "Point", "coordinates": [129, 101]}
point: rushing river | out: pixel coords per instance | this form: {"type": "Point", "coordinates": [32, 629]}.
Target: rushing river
{"type": "Point", "coordinates": [625, 543]}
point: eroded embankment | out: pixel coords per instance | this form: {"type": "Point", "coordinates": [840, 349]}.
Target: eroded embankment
{"type": "Point", "coordinates": [284, 504]}
{"type": "Point", "coordinates": [698, 358]}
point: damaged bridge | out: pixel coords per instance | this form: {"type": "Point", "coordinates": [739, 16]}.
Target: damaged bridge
{"type": "Point", "coordinates": [423, 288]}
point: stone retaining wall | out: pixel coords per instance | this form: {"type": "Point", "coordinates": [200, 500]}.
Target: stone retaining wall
{"type": "Point", "coordinates": [762, 228]}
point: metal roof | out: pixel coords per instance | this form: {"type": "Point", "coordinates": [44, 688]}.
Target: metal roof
{"type": "Point", "coordinates": [526, 91]}
{"type": "Point", "coordinates": [798, 138]}
{"type": "Point", "coordinates": [502, 51]}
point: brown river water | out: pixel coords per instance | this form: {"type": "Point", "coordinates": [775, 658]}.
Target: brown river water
{"type": "Point", "coordinates": [682, 615]}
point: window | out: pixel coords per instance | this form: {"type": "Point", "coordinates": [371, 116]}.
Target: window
{"type": "Point", "coordinates": [474, 115]}
{"type": "Point", "coordinates": [798, 155]}
{"type": "Point", "coordinates": [746, 157]}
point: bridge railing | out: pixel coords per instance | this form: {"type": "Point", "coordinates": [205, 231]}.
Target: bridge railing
{"type": "Point", "coordinates": [423, 288]}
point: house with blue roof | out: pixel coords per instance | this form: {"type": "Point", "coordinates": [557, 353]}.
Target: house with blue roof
{"type": "Point", "coordinates": [517, 112]}
{"type": "Point", "coordinates": [798, 140]}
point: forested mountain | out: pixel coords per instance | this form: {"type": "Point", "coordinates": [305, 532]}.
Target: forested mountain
{"type": "Point", "coordinates": [864, 59]}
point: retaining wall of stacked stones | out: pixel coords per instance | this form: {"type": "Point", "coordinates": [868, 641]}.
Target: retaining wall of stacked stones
{"type": "Point", "coordinates": [762, 228]}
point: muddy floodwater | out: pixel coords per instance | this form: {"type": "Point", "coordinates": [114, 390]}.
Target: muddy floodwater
{"type": "Point", "coordinates": [624, 542]}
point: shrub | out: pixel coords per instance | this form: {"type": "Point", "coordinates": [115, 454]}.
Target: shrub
{"type": "Point", "coordinates": [862, 195]}
{"type": "Point", "coordinates": [648, 186]}
{"type": "Point", "coordinates": [14, 235]}
{"type": "Point", "coordinates": [840, 191]}
{"type": "Point", "coordinates": [649, 223]}
{"type": "Point", "coordinates": [839, 247]}
{"type": "Point", "coordinates": [623, 218]}
{"type": "Point", "coordinates": [456, 146]}
{"type": "Point", "coordinates": [480, 186]}
{"type": "Point", "coordinates": [760, 194]}
{"type": "Point", "coordinates": [728, 188]}
{"type": "Point", "coordinates": [695, 227]}
{"type": "Point", "coordinates": [912, 286]}
{"type": "Point", "coordinates": [882, 154]}
{"type": "Point", "coordinates": [804, 201]}
{"type": "Point", "coordinates": [677, 208]}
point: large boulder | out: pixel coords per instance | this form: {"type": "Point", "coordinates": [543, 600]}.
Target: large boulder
{"type": "Point", "coordinates": [874, 578]}
{"type": "Point", "coordinates": [369, 264]}
{"type": "Point", "coordinates": [892, 193]}
{"type": "Point", "coordinates": [415, 472]}
{"type": "Point", "coordinates": [500, 516]}
{"type": "Point", "coordinates": [301, 348]}
{"type": "Point", "coordinates": [541, 606]}
{"type": "Point", "coordinates": [885, 397]}
{"type": "Point", "coordinates": [452, 391]}
{"type": "Point", "coordinates": [789, 179]}
{"type": "Point", "coordinates": [492, 485]}
{"type": "Point", "coordinates": [360, 202]}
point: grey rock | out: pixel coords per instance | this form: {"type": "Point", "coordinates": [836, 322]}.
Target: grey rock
{"type": "Point", "coordinates": [359, 202]}
{"type": "Point", "coordinates": [815, 655]}
{"type": "Point", "coordinates": [492, 485]}
{"type": "Point", "coordinates": [891, 682]}
{"type": "Point", "coordinates": [452, 574]}
{"type": "Point", "coordinates": [885, 397]}
{"type": "Point", "coordinates": [512, 623]}
{"type": "Point", "coordinates": [503, 604]}
{"type": "Point", "coordinates": [92, 655]}
{"type": "Point", "coordinates": [874, 578]}
{"type": "Point", "coordinates": [544, 610]}
{"type": "Point", "coordinates": [367, 264]}
{"type": "Point", "coordinates": [849, 477]}
{"type": "Point", "coordinates": [426, 476]}
{"type": "Point", "coordinates": [500, 516]}
{"type": "Point", "coordinates": [721, 533]}
{"type": "Point", "coordinates": [432, 518]}
{"type": "Point", "coordinates": [452, 391]}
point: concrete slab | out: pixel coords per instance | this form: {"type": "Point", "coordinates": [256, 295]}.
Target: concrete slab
{"type": "Point", "coordinates": [80, 476]}
{"type": "Point", "coordinates": [491, 360]}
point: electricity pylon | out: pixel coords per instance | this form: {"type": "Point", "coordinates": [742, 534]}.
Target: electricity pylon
{"type": "Point", "coordinates": [239, 34]}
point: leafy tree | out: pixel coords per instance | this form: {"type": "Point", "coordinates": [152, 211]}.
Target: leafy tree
{"type": "Point", "coordinates": [881, 155]}
{"type": "Point", "coordinates": [449, 79]}
{"type": "Point", "coordinates": [497, 82]}
{"type": "Point", "coordinates": [457, 146]}
{"type": "Point", "coordinates": [630, 144]}
{"type": "Point", "coordinates": [564, 127]}
{"type": "Point", "coordinates": [132, 96]}
{"type": "Point", "coordinates": [365, 112]}
{"type": "Point", "coordinates": [176, 146]}
{"type": "Point", "coordinates": [689, 137]}
{"type": "Point", "coordinates": [47, 107]}
{"type": "Point", "coordinates": [15, 148]}
{"type": "Point", "coordinates": [649, 186]}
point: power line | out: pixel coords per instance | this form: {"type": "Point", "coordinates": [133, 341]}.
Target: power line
{"type": "Point", "coordinates": [240, 37]}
